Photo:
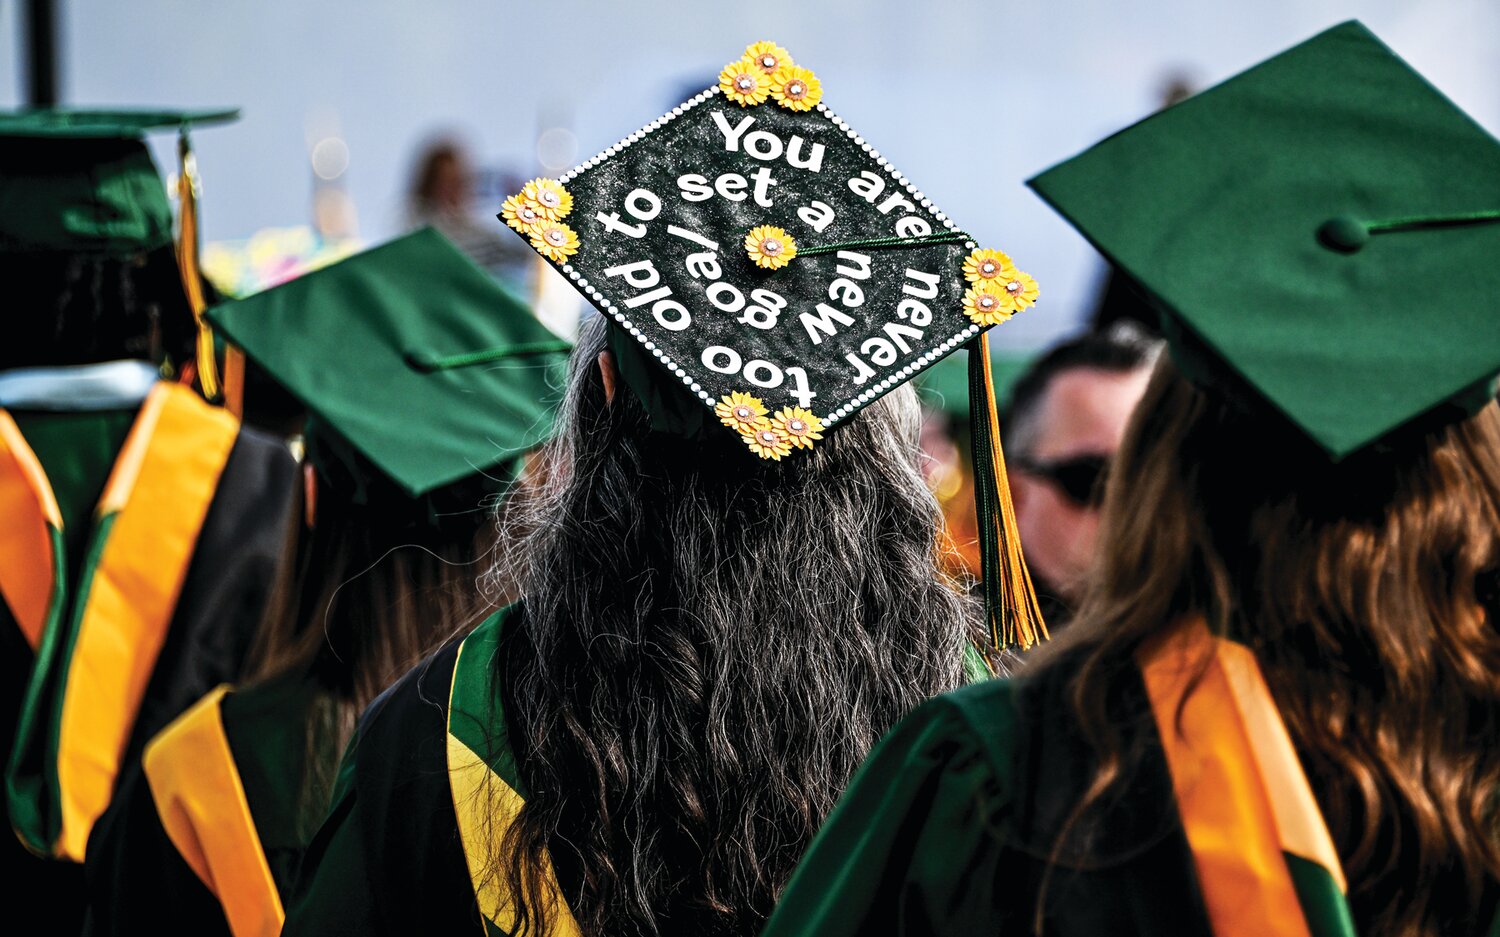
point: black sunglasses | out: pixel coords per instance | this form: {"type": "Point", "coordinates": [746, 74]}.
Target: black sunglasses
{"type": "Point", "coordinates": [1081, 477]}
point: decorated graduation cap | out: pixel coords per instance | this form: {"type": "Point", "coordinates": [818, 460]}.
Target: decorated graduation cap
{"type": "Point", "coordinates": [413, 363]}
{"type": "Point", "coordinates": [769, 273]}
{"type": "Point", "coordinates": [1319, 233]}
{"type": "Point", "coordinates": [83, 182]}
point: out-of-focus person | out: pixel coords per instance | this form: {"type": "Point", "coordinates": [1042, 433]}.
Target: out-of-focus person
{"type": "Point", "coordinates": [1278, 709]}
{"type": "Point", "coordinates": [396, 528]}
{"type": "Point", "coordinates": [140, 527]}
{"type": "Point", "coordinates": [1066, 417]}
{"type": "Point", "coordinates": [441, 195]}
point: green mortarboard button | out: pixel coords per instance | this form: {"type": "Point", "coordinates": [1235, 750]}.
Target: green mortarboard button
{"type": "Point", "coordinates": [774, 272]}
{"type": "Point", "coordinates": [83, 181]}
{"type": "Point", "coordinates": [1280, 221]}
{"type": "Point", "coordinates": [412, 355]}
{"type": "Point", "coordinates": [1344, 234]}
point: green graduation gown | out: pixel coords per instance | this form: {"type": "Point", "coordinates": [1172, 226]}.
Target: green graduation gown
{"type": "Point", "coordinates": [416, 805]}
{"type": "Point", "coordinates": [952, 824]}
{"type": "Point", "coordinates": [405, 846]}
{"type": "Point", "coordinates": [131, 586]}
{"type": "Point", "coordinates": [205, 836]}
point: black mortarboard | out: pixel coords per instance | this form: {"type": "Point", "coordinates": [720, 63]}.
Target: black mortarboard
{"type": "Point", "coordinates": [766, 268]}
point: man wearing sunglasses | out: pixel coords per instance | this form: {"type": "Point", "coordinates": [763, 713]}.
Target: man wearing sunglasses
{"type": "Point", "coordinates": [1066, 417]}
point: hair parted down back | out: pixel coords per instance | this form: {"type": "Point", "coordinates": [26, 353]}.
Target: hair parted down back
{"type": "Point", "coordinates": [710, 647]}
{"type": "Point", "coordinates": [1367, 590]}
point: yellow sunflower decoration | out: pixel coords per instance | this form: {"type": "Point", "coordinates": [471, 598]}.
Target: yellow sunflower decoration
{"type": "Point", "coordinates": [770, 247]}
{"type": "Point", "coordinates": [985, 304]}
{"type": "Point", "coordinates": [550, 198]}
{"type": "Point", "coordinates": [741, 412]}
{"type": "Point", "coordinates": [554, 240]}
{"type": "Point", "coordinates": [521, 213]}
{"type": "Point", "coordinates": [1019, 292]}
{"type": "Point", "coordinates": [800, 426]}
{"type": "Point", "coordinates": [796, 89]}
{"type": "Point", "coordinates": [768, 56]}
{"type": "Point", "coordinates": [744, 83]}
{"type": "Point", "coordinates": [768, 442]}
{"type": "Point", "coordinates": [987, 264]}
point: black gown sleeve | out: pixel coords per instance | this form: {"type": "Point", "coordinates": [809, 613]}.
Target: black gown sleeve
{"type": "Point", "coordinates": [228, 582]}
{"type": "Point", "coordinates": [388, 860]}
{"type": "Point", "coordinates": [137, 881]}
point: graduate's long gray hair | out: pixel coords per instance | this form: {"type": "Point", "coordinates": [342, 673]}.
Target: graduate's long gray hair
{"type": "Point", "coordinates": [710, 646]}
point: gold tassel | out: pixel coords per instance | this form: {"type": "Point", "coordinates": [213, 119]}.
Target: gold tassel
{"type": "Point", "coordinates": [187, 262]}
{"type": "Point", "coordinates": [1011, 602]}
{"type": "Point", "coordinates": [234, 381]}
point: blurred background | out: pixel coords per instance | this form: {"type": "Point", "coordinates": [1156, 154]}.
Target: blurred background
{"type": "Point", "coordinates": [363, 116]}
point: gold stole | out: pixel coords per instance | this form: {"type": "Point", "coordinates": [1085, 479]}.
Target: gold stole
{"type": "Point", "coordinates": [155, 501]}
{"type": "Point", "coordinates": [1245, 803]}
{"type": "Point", "coordinates": [201, 803]}
{"type": "Point", "coordinates": [486, 807]}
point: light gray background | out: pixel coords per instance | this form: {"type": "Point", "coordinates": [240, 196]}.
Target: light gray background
{"type": "Point", "coordinates": [968, 98]}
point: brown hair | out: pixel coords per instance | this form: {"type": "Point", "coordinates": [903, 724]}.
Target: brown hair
{"type": "Point", "coordinates": [1366, 589]}
{"type": "Point", "coordinates": [710, 646]}
{"type": "Point", "coordinates": [370, 589]}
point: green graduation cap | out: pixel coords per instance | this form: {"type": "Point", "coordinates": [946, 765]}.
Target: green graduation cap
{"type": "Point", "coordinates": [409, 356]}
{"type": "Point", "coordinates": [769, 273]}
{"type": "Point", "coordinates": [1319, 230]}
{"type": "Point", "coordinates": [84, 182]}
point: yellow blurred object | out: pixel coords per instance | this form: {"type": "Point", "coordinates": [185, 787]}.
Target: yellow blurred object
{"type": "Point", "coordinates": [187, 262]}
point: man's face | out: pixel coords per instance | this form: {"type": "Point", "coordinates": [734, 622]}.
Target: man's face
{"type": "Point", "coordinates": [1081, 418]}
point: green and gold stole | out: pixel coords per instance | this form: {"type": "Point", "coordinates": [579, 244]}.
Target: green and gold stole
{"type": "Point", "coordinates": [487, 791]}
{"type": "Point", "coordinates": [96, 644]}
{"type": "Point", "coordinates": [1265, 861]}
{"type": "Point", "coordinates": [200, 800]}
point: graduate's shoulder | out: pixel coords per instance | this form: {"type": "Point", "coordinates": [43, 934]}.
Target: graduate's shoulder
{"type": "Point", "coordinates": [264, 447]}
{"type": "Point", "coordinates": [1002, 713]}
{"type": "Point", "coordinates": [1025, 735]}
{"type": "Point", "coordinates": [410, 711]}
{"type": "Point", "coordinates": [388, 858]}
{"type": "Point", "coordinates": [980, 715]}
{"type": "Point", "coordinates": [257, 480]}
